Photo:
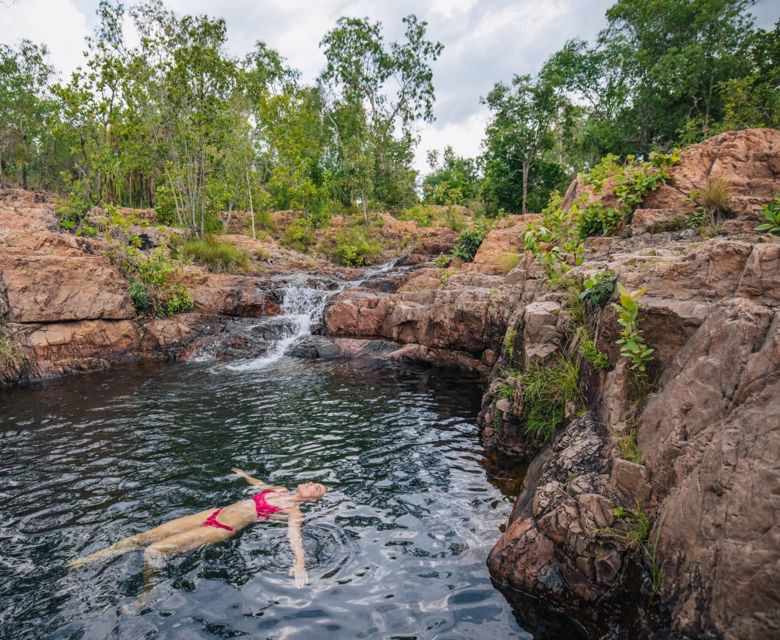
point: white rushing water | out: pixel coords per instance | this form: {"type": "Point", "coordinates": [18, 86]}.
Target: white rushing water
{"type": "Point", "coordinates": [302, 306]}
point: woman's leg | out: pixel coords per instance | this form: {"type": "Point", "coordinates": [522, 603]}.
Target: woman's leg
{"type": "Point", "coordinates": [139, 540]}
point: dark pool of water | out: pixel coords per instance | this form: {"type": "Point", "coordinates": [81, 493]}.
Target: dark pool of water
{"type": "Point", "coordinates": [396, 550]}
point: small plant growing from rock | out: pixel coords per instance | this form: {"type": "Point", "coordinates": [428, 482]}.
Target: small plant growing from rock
{"type": "Point", "coordinates": [508, 261]}
{"type": "Point", "coordinates": [632, 344]}
{"type": "Point", "coordinates": [771, 213]}
{"type": "Point", "coordinates": [546, 393]}
{"type": "Point", "coordinates": [629, 449]}
{"type": "Point", "coordinates": [442, 261]}
{"type": "Point", "coordinates": [598, 359]}
{"type": "Point", "coordinates": [598, 288]}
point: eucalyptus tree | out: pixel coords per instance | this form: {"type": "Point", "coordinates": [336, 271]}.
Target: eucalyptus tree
{"type": "Point", "coordinates": [376, 92]}
{"type": "Point", "coordinates": [525, 117]}
{"type": "Point", "coordinates": [25, 109]}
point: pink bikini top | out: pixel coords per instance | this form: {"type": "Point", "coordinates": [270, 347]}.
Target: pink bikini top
{"type": "Point", "coordinates": [263, 508]}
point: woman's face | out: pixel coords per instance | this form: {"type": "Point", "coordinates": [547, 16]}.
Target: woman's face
{"type": "Point", "coordinates": [311, 490]}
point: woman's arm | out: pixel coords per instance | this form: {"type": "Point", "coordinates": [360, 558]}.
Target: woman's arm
{"type": "Point", "coordinates": [250, 479]}
{"type": "Point", "coordinates": [298, 569]}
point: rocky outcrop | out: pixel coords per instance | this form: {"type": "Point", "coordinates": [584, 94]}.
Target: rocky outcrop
{"type": "Point", "coordinates": [706, 432]}
{"type": "Point", "coordinates": [468, 313]}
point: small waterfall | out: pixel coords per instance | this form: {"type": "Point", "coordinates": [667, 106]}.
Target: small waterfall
{"type": "Point", "coordinates": [303, 305]}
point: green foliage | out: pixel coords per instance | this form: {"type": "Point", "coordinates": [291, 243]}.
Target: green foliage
{"type": "Point", "coordinates": [356, 248]}
{"type": "Point", "coordinates": [442, 261]}
{"type": "Point", "coordinates": [629, 449]}
{"type": "Point", "coordinates": [427, 216]}
{"type": "Point", "coordinates": [631, 182]}
{"type": "Point", "coordinates": [509, 344]}
{"type": "Point", "coordinates": [73, 213]}
{"type": "Point", "coordinates": [215, 255]}
{"type": "Point", "coordinates": [632, 345]}
{"type": "Point", "coordinates": [299, 234]}
{"type": "Point", "coordinates": [468, 242]}
{"type": "Point", "coordinates": [598, 359]}
{"type": "Point", "coordinates": [453, 180]}
{"type": "Point", "coordinates": [771, 213]}
{"type": "Point", "coordinates": [546, 393]}
{"type": "Point", "coordinates": [598, 288]}
{"type": "Point", "coordinates": [152, 280]}
{"type": "Point", "coordinates": [636, 526]}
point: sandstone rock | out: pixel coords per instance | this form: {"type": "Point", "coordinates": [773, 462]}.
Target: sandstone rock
{"type": "Point", "coordinates": [43, 288]}
{"type": "Point", "coordinates": [417, 353]}
{"type": "Point", "coordinates": [230, 294]}
{"type": "Point", "coordinates": [88, 345]}
{"type": "Point", "coordinates": [505, 237]}
{"type": "Point", "coordinates": [657, 220]}
{"type": "Point", "coordinates": [710, 440]}
{"type": "Point", "coordinates": [543, 331]}
{"type": "Point", "coordinates": [169, 337]}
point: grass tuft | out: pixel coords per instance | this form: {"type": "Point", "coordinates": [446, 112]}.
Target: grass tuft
{"type": "Point", "coordinates": [215, 255]}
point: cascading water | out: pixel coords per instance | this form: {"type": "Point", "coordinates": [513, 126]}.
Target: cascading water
{"type": "Point", "coordinates": [303, 305]}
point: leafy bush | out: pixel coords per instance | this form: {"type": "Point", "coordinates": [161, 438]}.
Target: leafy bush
{"type": "Point", "coordinates": [632, 345]}
{"type": "Point", "coordinates": [546, 392]}
{"type": "Point", "coordinates": [299, 234]}
{"type": "Point", "coordinates": [215, 255]}
{"type": "Point", "coordinates": [468, 243]}
{"type": "Point", "coordinates": [151, 280]}
{"type": "Point", "coordinates": [771, 213]}
{"type": "Point", "coordinates": [442, 261]}
{"type": "Point", "coordinates": [598, 220]}
{"type": "Point", "coordinates": [355, 248]}
{"type": "Point", "coordinates": [73, 212]}
{"type": "Point", "coordinates": [598, 288]}
{"type": "Point", "coordinates": [419, 213]}
{"type": "Point", "coordinates": [508, 261]}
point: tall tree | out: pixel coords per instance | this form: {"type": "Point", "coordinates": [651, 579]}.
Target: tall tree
{"type": "Point", "coordinates": [525, 116]}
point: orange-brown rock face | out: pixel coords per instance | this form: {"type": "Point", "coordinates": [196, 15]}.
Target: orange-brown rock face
{"type": "Point", "coordinates": [707, 432]}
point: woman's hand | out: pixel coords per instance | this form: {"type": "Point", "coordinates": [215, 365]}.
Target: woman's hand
{"type": "Point", "coordinates": [301, 577]}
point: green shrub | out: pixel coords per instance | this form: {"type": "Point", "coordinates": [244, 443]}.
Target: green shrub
{"type": "Point", "coordinates": [419, 213]}
{"type": "Point", "coordinates": [468, 242]}
{"type": "Point", "coordinates": [355, 248]}
{"type": "Point", "coordinates": [546, 392]}
{"type": "Point", "coordinates": [636, 525]}
{"type": "Point", "coordinates": [215, 255]}
{"type": "Point", "coordinates": [598, 288]}
{"type": "Point", "coordinates": [151, 280]}
{"type": "Point", "coordinates": [771, 213]}
{"type": "Point", "coordinates": [442, 261]}
{"type": "Point", "coordinates": [598, 220]}
{"type": "Point", "coordinates": [73, 212]}
{"type": "Point", "coordinates": [632, 345]}
{"type": "Point", "coordinates": [263, 221]}
{"type": "Point", "coordinates": [299, 234]}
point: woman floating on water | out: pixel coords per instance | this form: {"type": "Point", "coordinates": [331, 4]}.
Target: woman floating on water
{"type": "Point", "coordinates": [217, 525]}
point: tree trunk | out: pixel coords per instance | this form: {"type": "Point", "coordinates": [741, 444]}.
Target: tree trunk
{"type": "Point", "coordinates": [251, 207]}
{"type": "Point", "coordinates": [526, 167]}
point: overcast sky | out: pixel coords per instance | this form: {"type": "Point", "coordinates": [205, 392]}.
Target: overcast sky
{"type": "Point", "coordinates": [484, 41]}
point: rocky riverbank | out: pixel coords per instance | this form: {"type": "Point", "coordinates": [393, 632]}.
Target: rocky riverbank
{"type": "Point", "coordinates": [656, 495]}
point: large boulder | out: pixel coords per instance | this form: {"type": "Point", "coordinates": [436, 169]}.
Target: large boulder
{"type": "Point", "coordinates": [711, 442]}
{"type": "Point", "coordinates": [73, 347]}
{"type": "Point", "coordinates": [56, 288]}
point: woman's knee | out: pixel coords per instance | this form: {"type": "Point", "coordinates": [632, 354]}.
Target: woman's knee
{"type": "Point", "coordinates": [154, 556]}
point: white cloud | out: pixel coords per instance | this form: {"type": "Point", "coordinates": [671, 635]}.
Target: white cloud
{"type": "Point", "coordinates": [464, 137]}
{"type": "Point", "coordinates": [56, 23]}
